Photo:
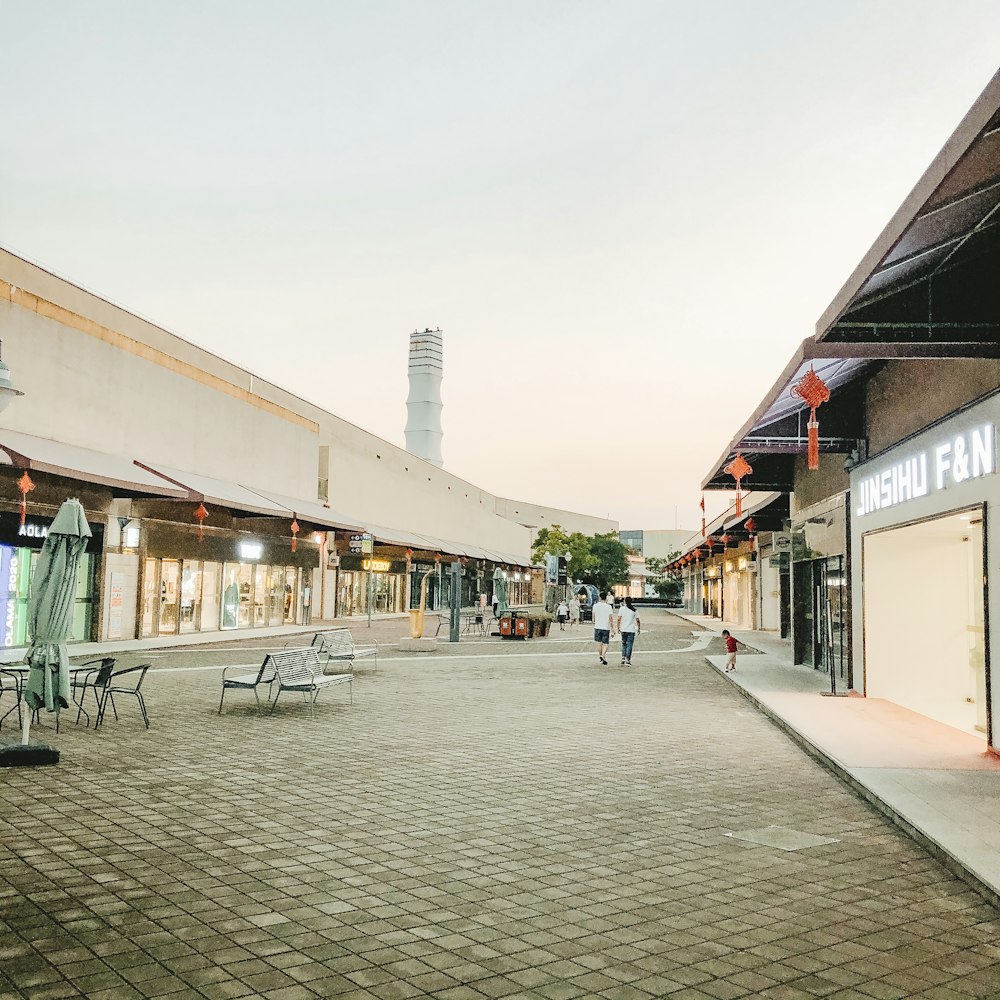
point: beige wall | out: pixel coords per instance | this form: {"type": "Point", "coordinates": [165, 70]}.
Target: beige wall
{"type": "Point", "coordinates": [535, 516]}
{"type": "Point", "coordinates": [907, 395]}
{"type": "Point", "coordinates": [98, 376]}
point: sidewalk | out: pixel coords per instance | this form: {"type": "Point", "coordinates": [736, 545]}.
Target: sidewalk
{"type": "Point", "coordinates": [937, 783]}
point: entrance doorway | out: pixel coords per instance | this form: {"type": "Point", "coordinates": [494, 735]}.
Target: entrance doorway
{"type": "Point", "coordinates": [924, 601]}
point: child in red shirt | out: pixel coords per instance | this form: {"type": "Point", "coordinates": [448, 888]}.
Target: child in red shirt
{"type": "Point", "coordinates": [730, 651]}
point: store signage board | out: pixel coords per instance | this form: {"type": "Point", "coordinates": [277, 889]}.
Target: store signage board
{"type": "Point", "coordinates": [31, 530]}
{"type": "Point", "coordinates": [115, 621]}
{"type": "Point", "coordinates": [377, 565]}
{"type": "Point", "coordinates": [971, 454]}
{"type": "Point", "coordinates": [8, 588]}
{"type": "Point", "coordinates": [781, 543]}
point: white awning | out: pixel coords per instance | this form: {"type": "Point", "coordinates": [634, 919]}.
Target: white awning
{"type": "Point", "coordinates": [26, 451]}
{"type": "Point", "coordinates": [310, 510]}
{"type": "Point", "coordinates": [218, 491]}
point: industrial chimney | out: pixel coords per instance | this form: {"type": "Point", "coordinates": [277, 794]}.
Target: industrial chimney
{"type": "Point", "coordinates": [423, 404]}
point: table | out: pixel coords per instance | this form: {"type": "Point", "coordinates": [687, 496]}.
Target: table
{"type": "Point", "coordinates": [17, 673]}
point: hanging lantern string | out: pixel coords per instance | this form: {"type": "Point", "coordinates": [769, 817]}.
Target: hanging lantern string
{"type": "Point", "coordinates": [201, 513]}
{"type": "Point", "coordinates": [25, 485]}
{"type": "Point", "coordinates": [751, 526]}
{"type": "Point", "coordinates": [295, 530]}
{"type": "Point", "coordinates": [702, 505]}
{"type": "Point", "coordinates": [813, 391]}
{"type": "Point", "coordinates": [738, 468]}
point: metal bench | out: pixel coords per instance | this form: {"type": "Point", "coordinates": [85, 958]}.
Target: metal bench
{"type": "Point", "coordinates": [338, 644]}
{"type": "Point", "coordinates": [300, 670]}
{"type": "Point", "coordinates": [289, 669]}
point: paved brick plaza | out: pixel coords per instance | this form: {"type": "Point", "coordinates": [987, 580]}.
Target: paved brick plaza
{"type": "Point", "coordinates": [484, 823]}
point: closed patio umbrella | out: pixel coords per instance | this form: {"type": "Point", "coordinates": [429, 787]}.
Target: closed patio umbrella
{"type": "Point", "coordinates": [500, 591]}
{"type": "Point", "coordinates": [50, 618]}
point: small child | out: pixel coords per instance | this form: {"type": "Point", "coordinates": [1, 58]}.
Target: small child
{"type": "Point", "coordinates": [562, 615]}
{"type": "Point", "coordinates": [730, 651]}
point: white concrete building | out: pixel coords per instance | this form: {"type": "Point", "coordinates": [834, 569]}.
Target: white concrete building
{"type": "Point", "coordinates": [218, 499]}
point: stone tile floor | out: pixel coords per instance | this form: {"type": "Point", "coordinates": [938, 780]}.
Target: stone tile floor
{"type": "Point", "coordinates": [499, 820]}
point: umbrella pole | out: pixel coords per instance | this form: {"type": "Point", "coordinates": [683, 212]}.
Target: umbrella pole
{"type": "Point", "coordinates": [25, 720]}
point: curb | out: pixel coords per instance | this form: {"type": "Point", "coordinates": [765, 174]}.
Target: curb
{"type": "Point", "coordinates": [940, 853]}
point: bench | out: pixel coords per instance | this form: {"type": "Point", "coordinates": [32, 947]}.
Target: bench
{"type": "Point", "coordinates": [292, 670]}
{"type": "Point", "coordinates": [338, 644]}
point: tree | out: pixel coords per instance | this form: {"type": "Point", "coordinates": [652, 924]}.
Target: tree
{"type": "Point", "coordinates": [610, 561]}
{"type": "Point", "coordinates": [555, 542]}
{"type": "Point", "coordinates": [672, 587]}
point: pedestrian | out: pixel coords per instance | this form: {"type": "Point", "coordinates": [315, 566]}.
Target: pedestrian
{"type": "Point", "coordinates": [562, 615]}
{"type": "Point", "coordinates": [574, 611]}
{"type": "Point", "coordinates": [730, 651]}
{"type": "Point", "coordinates": [604, 626]}
{"type": "Point", "coordinates": [629, 626]}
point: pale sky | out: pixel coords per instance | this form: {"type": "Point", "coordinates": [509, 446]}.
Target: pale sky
{"type": "Point", "coordinates": [624, 215]}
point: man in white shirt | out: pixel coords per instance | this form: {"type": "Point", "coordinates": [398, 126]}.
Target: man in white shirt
{"type": "Point", "coordinates": [603, 626]}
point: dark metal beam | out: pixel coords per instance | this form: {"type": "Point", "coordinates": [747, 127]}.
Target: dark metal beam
{"type": "Point", "coordinates": [914, 351]}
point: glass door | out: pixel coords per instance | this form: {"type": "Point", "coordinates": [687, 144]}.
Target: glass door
{"type": "Point", "coordinates": [231, 597]}
{"type": "Point", "coordinates": [170, 593]}
{"type": "Point", "coordinates": [190, 611]}
{"type": "Point", "coordinates": [151, 598]}
{"type": "Point", "coordinates": [290, 602]}
{"type": "Point", "coordinates": [208, 621]}
{"type": "Point", "coordinates": [275, 595]}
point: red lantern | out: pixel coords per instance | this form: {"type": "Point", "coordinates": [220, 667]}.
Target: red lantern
{"type": "Point", "coordinates": [409, 553]}
{"type": "Point", "coordinates": [25, 485]}
{"type": "Point", "coordinates": [201, 513]}
{"type": "Point", "coordinates": [738, 468]}
{"type": "Point", "coordinates": [751, 526]}
{"type": "Point", "coordinates": [710, 542]}
{"type": "Point", "coordinates": [814, 392]}
{"type": "Point", "coordinates": [295, 530]}
{"type": "Point", "coordinates": [725, 541]}
{"type": "Point", "coordinates": [702, 505]}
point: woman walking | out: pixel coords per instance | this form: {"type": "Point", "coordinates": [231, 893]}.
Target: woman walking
{"type": "Point", "coordinates": [629, 626]}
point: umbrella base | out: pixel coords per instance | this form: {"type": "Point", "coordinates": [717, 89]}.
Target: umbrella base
{"type": "Point", "coordinates": [27, 755]}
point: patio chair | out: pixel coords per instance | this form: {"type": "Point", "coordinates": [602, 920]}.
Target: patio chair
{"type": "Point", "coordinates": [117, 684]}
{"type": "Point", "coordinates": [95, 680]}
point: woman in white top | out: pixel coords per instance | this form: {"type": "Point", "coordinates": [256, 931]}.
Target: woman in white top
{"type": "Point", "coordinates": [574, 610]}
{"type": "Point", "coordinates": [629, 626]}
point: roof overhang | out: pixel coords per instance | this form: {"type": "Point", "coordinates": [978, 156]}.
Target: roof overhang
{"type": "Point", "coordinates": [914, 283]}
{"type": "Point", "coordinates": [25, 451]}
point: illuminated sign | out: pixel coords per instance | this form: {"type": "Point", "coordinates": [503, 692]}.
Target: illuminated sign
{"type": "Point", "coordinates": [744, 562]}
{"type": "Point", "coordinates": [251, 550]}
{"type": "Point", "coordinates": [376, 565]}
{"type": "Point", "coordinates": [30, 530]}
{"type": "Point", "coordinates": [968, 455]}
{"type": "Point", "coordinates": [8, 592]}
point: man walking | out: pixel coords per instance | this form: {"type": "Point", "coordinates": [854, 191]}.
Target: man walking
{"type": "Point", "coordinates": [603, 626]}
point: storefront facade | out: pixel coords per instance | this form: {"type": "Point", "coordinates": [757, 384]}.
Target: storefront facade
{"type": "Point", "coordinates": [374, 580]}
{"type": "Point", "coordinates": [20, 545]}
{"type": "Point", "coordinates": [228, 580]}
{"type": "Point", "coordinates": [921, 515]}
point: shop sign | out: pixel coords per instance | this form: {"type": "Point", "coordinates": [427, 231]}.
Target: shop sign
{"type": "Point", "coordinates": [376, 565]}
{"type": "Point", "coordinates": [781, 543]}
{"type": "Point", "coordinates": [361, 543]}
{"type": "Point", "coordinates": [251, 550]}
{"type": "Point", "coordinates": [8, 590]}
{"type": "Point", "coordinates": [968, 455]}
{"type": "Point", "coordinates": [117, 605]}
{"type": "Point", "coordinates": [780, 560]}
{"type": "Point", "coordinates": [31, 530]}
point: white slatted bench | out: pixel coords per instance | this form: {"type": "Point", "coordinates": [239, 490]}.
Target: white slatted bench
{"type": "Point", "coordinates": [338, 644]}
{"type": "Point", "coordinates": [291, 670]}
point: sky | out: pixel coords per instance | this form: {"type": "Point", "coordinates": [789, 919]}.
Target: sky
{"type": "Point", "coordinates": [623, 215]}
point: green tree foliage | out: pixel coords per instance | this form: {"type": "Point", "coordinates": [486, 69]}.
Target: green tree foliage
{"type": "Point", "coordinates": [610, 561]}
{"type": "Point", "coordinates": [554, 541]}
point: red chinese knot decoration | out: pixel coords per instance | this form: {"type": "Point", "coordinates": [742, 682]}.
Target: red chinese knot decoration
{"type": "Point", "coordinates": [25, 485]}
{"type": "Point", "coordinates": [738, 468]}
{"type": "Point", "coordinates": [295, 529]}
{"type": "Point", "coordinates": [751, 526]}
{"type": "Point", "coordinates": [702, 505]}
{"type": "Point", "coordinates": [200, 514]}
{"type": "Point", "coordinates": [812, 390]}
{"type": "Point", "coordinates": [725, 540]}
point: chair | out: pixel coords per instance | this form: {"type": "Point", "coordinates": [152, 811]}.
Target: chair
{"type": "Point", "coordinates": [94, 679]}
{"type": "Point", "coordinates": [133, 686]}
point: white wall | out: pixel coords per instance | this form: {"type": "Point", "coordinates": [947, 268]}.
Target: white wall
{"type": "Point", "coordinates": [918, 615]}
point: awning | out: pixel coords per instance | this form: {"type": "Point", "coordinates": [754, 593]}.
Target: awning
{"type": "Point", "coordinates": [217, 491]}
{"type": "Point", "coordinates": [26, 451]}
{"type": "Point", "coordinates": [769, 511]}
{"type": "Point", "coordinates": [930, 277]}
{"type": "Point", "coordinates": [310, 510]}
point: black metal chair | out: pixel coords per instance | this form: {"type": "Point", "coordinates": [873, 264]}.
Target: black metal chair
{"type": "Point", "coordinates": [133, 686]}
{"type": "Point", "coordinates": [95, 680]}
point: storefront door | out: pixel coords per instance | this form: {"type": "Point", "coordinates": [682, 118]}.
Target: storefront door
{"type": "Point", "coordinates": [924, 614]}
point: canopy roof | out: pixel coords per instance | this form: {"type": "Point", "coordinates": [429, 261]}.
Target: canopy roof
{"type": "Point", "coordinates": [25, 451]}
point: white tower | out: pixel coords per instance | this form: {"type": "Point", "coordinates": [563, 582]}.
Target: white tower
{"type": "Point", "coordinates": [423, 404]}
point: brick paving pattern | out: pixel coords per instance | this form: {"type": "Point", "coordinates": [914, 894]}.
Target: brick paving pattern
{"type": "Point", "coordinates": [508, 825]}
